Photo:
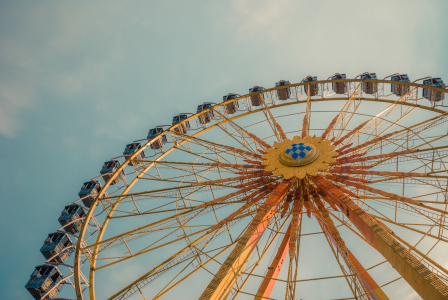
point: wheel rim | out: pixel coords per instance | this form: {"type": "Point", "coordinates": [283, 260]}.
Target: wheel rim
{"type": "Point", "coordinates": [79, 252]}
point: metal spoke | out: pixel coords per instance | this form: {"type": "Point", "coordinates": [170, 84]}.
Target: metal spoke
{"type": "Point", "coordinates": [193, 184]}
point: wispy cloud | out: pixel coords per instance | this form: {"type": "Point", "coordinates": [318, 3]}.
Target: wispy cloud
{"type": "Point", "coordinates": [14, 97]}
{"type": "Point", "coordinates": [258, 20]}
{"type": "Point", "coordinates": [316, 36]}
{"type": "Point", "coordinates": [73, 53]}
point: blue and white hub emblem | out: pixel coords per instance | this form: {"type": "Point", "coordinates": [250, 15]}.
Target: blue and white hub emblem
{"type": "Point", "coordinates": [298, 151]}
{"type": "Point", "coordinates": [299, 154]}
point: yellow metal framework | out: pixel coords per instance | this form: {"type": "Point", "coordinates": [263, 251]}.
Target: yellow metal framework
{"type": "Point", "coordinates": [213, 165]}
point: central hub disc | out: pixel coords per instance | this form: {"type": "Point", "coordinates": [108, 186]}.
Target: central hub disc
{"type": "Point", "coordinates": [298, 155]}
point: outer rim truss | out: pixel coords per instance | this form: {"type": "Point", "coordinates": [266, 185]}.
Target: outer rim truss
{"type": "Point", "coordinates": [112, 209]}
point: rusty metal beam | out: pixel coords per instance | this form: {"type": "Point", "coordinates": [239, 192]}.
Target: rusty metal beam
{"type": "Point", "coordinates": [274, 269]}
{"type": "Point", "coordinates": [333, 236]}
{"type": "Point", "coordinates": [374, 291]}
{"type": "Point", "coordinates": [418, 276]}
{"type": "Point", "coordinates": [230, 270]}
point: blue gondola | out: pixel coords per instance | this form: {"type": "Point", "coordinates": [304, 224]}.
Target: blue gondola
{"type": "Point", "coordinates": [205, 118]}
{"type": "Point", "coordinates": [89, 190]}
{"type": "Point", "coordinates": [57, 245]}
{"type": "Point", "coordinates": [131, 149]}
{"type": "Point", "coordinates": [434, 96]}
{"type": "Point", "coordinates": [73, 216]}
{"type": "Point", "coordinates": [285, 93]}
{"type": "Point", "coordinates": [255, 99]}
{"type": "Point", "coordinates": [43, 279]}
{"type": "Point", "coordinates": [232, 107]}
{"type": "Point", "coordinates": [339, 87]}
{"type": "Point", "coordinates": [399, 89]}
{"type": "Point", "coordinates": [369, 87]}
{"type": "Point", "coordinates": [157, 141]}
{"type": "Point", "coordinates": [184, 127]}
{"type": "Point", "coordinates": [314, 88]}
{"type": "Point", "coordinates": [109, 167]}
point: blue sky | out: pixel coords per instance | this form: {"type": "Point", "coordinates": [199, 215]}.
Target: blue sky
{"type": "Point", "coordinates": [79, 80]}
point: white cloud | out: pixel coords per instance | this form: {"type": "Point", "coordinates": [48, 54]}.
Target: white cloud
{"type": "Point", "coordinates": [64, 51]}
{"type": "Point", "coordinates": [258, 19]}
{"type": "Point", "coordinates": [350, 37]}
{"type": "Point", "coordinates": [13, 98]}
{"type": "Point", "coordinates": [15, 53]}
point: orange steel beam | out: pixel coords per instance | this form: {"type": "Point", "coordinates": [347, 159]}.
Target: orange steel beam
{"type": "Point", "coordinates": [372, 288]}
{"type": "Point", "coordinates": [335, 238]}
{"type": "Point", "coordinates": [374, 291]}
{"type": "Point", "coordinates": [224, 280]}
{"type": "Point", "coordinates": [274, 269]}
{"type": "Point", "coordinates": [418, 276]}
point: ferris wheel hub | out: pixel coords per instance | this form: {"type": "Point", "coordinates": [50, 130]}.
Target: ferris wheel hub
{"type": "Point", "coordinates": [299, 157]}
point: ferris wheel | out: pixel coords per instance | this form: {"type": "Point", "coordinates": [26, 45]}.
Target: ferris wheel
{"type": "Point", "coordinates": [340, 182]}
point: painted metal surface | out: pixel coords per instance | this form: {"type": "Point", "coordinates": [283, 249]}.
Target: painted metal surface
{"type": "Point", "coordinates": [274, 269]}
{"type": "Point", "coordinates": [374, 291]}
{"type": "Point", "coordinates": [418, 276]}
{"type": "Point", "coordinates": [215, 125]}
{"type": "Point", "coordinates": [221, 284]}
